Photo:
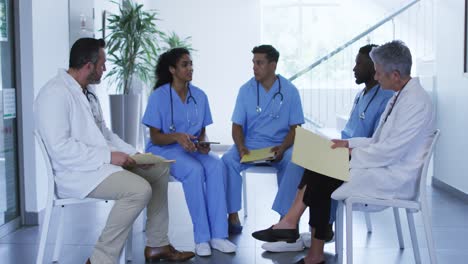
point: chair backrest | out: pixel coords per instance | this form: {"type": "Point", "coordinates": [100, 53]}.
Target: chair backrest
{"type": "Point", "coordinates": [48, 164]}
{"type": "Point", "coordinates": [427, 160]}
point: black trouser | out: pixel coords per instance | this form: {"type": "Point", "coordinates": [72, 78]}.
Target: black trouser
{"type": "Point", "coordinates": [317, 197]}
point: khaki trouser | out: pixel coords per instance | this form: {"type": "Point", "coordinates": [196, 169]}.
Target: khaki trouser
{"type": "Point", "coordinates": [132, 190]}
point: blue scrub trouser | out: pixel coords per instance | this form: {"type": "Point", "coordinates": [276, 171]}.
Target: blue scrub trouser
{"type": "Point", "coordinates": [203, 178]}
{"type": "Point", "coordinates": [288, 177]}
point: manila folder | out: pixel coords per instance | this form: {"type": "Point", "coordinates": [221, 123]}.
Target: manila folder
{"type": "Point", "coordinates": [313, 152]}
{"type": "Point", "coordinates": [149, 158]}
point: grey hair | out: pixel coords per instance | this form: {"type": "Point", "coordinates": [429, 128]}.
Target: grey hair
{"type": "Point", "coordinates": [393, 56]}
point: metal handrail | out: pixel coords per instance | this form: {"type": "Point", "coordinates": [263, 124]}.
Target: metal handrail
{"type": "Point", "coordinates": [353, 40]}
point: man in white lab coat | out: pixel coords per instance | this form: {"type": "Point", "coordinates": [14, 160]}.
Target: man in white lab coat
{"type": "Point", "coordinates": [384, 166]}
{"type": "Point", "coordinates": [90, 161]}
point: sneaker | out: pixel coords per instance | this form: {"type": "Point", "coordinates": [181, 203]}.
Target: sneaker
{"type": "Point", "coordinates": [203, 249]}
{"type": "Point", "coordinates": [307, 239]}
{"type": "Point", "coordinates": [282, 246]}
{"type": "Point", "coordinates": [223, 245]}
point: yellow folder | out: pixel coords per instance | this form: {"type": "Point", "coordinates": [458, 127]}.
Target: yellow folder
{"type": "Point", "coordinates": [258, 156]}
{"type": "Point", "coordinates": [313, 152]}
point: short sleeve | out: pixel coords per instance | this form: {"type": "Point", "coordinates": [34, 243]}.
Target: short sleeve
{"type": "Point", "coordinates": [239, 114]}
{"type": "Point", "coordinates": [207, 119]}
{"type": "Point", "coordinates": [296, 115]}
{"type": "Point", "coordinates": [152, 116]}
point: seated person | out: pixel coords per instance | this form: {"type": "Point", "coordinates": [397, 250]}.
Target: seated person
{"type": "Point", "coordinates": [364, 118]}
{"type": "Point", "coordinates": [385, 166]}
{"type": "Point", "coordinates": [177, 115]}
{"type": "Point", "coordinates": [267, 111]}
{"type": "Point", "coordinates": [90, 161]}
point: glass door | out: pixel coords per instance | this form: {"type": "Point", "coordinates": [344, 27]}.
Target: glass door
{"type": "Point", "coordinates": [9, 177]}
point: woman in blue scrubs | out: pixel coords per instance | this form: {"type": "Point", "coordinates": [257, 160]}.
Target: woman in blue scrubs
{"type": "Point", "coordinates": [177, 115]}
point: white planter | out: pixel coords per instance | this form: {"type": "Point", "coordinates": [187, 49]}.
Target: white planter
{"type": "Point", "coordinates": [126, 114]}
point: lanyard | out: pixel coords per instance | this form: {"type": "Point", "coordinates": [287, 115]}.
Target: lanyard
{"type": "Point", "coordinates": [394, 102]}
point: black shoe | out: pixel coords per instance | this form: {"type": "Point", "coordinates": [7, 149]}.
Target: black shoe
{"type": "Point", "coordinates": [275, 235]}
{"type": "Point", "coordinates": [301, 261]}
{"type": "Point", "coordinates": [329, 236]}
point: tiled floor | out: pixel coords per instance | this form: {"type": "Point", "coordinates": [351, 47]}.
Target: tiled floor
{"type": "Point", "coordinates": [84, 223]}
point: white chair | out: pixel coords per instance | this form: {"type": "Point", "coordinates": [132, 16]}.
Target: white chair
{"type": "Point", "coordinates": [412, 206]}
{"type": "Point", "coordinates": [52, 202]}
{"type": "Point", "coordinates": [267, 169]}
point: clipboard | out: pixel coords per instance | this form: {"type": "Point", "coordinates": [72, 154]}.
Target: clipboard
{"type": "Point", "coordinates": [314, 153]}
{"type": "Point", "coordinates": [256, 156]}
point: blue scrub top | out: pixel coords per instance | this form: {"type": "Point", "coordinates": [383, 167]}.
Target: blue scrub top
{"type": "Point", "coordinates": [189, 117]}
{"type": "Point", "coordinates": [357, 127]}
{"type": "Point", "coordinates": [272, 124]}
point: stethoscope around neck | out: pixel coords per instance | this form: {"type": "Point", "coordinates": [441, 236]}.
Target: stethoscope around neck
{"type": "Point", "coordinates": [172, 127]}
{"type": "Point", "coordinates": [278, 93]}
{"type": "Point", "coordinates": [362, 115]}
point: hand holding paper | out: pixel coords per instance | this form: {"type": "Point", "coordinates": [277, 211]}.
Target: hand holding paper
{"type": "Point", "coordinates": [149, 158]}
{"type": "Point", "coordinates": [314, 152]}
{"type": "Point", "coordinates": [258, 155]}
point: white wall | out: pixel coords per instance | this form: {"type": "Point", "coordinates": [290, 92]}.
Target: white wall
{"type": "Point", "coordinates": [451, 159]}
{"type": "Point", "coordinates": [49, 52]}
{"type": "Point", "coordinates": [223, 33]}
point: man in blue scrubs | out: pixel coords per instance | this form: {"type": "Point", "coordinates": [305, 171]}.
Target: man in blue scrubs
{"type": "Point", "coordinates": [267, 111]}
{"type": "Point", "coordinates": [368, 106]}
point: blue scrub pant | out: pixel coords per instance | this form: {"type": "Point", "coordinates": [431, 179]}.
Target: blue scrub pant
{"type": "Point", "coordinates": [288, 177]}
{"type": "Point", "coordinates": [203, 178]}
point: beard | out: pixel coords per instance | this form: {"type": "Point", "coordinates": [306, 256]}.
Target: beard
{"type": "Point", "coordinates": [363, 78]}
{"type": "Point", "coordinates": [93, 77]}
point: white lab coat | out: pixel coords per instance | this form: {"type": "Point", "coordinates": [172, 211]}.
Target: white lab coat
{"type": "Point", "coordinates": [388, 164]}
{"type": "Point", "coordinates": [79, 151]}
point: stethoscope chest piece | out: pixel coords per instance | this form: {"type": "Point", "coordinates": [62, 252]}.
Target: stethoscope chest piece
{"type": "Point", "coordinates": [258, 109]}
{"type": "Point", "coordinates": [362, 116]}
{"type": "Point", "coordinates": [172, 128]}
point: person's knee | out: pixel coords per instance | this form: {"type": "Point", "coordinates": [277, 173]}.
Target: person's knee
{"type": "Point", "coordinates": [195, 173]}
{"type": "Point", "coordinates": [142, 193]}
{"type": "Point", "coordinates": [227, 158]}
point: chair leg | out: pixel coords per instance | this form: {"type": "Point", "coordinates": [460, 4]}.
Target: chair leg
{"type": "Point", "coordinates": [59, 238]}
{"type": "Point", "coordinates": [396, 214]}
{"type": "Point", "coordinates": [349, 233]}
{"type": "Point", "coordinates": [339, 232]}
{"type": "Point", "coordinates": [128, 246]}
{"type": "Point", "coordinates": [43, 235]}
{"type": "Point", "coordinates": [122, 257]}
{"type": "Point", "coordinates": [414, 237]}
{"type": "Point", "coordinates": [244, 191]}
{"type": "Point", "coordinates": [368, 222]}
{"type": "Point", "coordinates": [144, 216]}
{"type": "Point", "coordinates": [428, 230]}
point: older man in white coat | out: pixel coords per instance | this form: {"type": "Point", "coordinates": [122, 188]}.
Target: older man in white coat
{"type": "Point", "coordinates": [384, 166]}
{"type": "Point", "coordinates": [90, 161]}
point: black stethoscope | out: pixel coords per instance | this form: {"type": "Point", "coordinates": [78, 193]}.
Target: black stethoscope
{"type": "Point", "coordinates": [172, 127]}
{"type": "Point", "coordinates": [278, 93]}
{"type": "Point", "coordinates": [362, 115]}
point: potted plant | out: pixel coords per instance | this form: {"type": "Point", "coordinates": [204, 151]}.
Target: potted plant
{"type": "Point", "coordinates": [132, 48]}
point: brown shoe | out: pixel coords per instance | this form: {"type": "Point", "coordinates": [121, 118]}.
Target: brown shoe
{"type": "Point", "coordinates": [88, 262]}
{"type": "Point", "coordinates": [154, 254]}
